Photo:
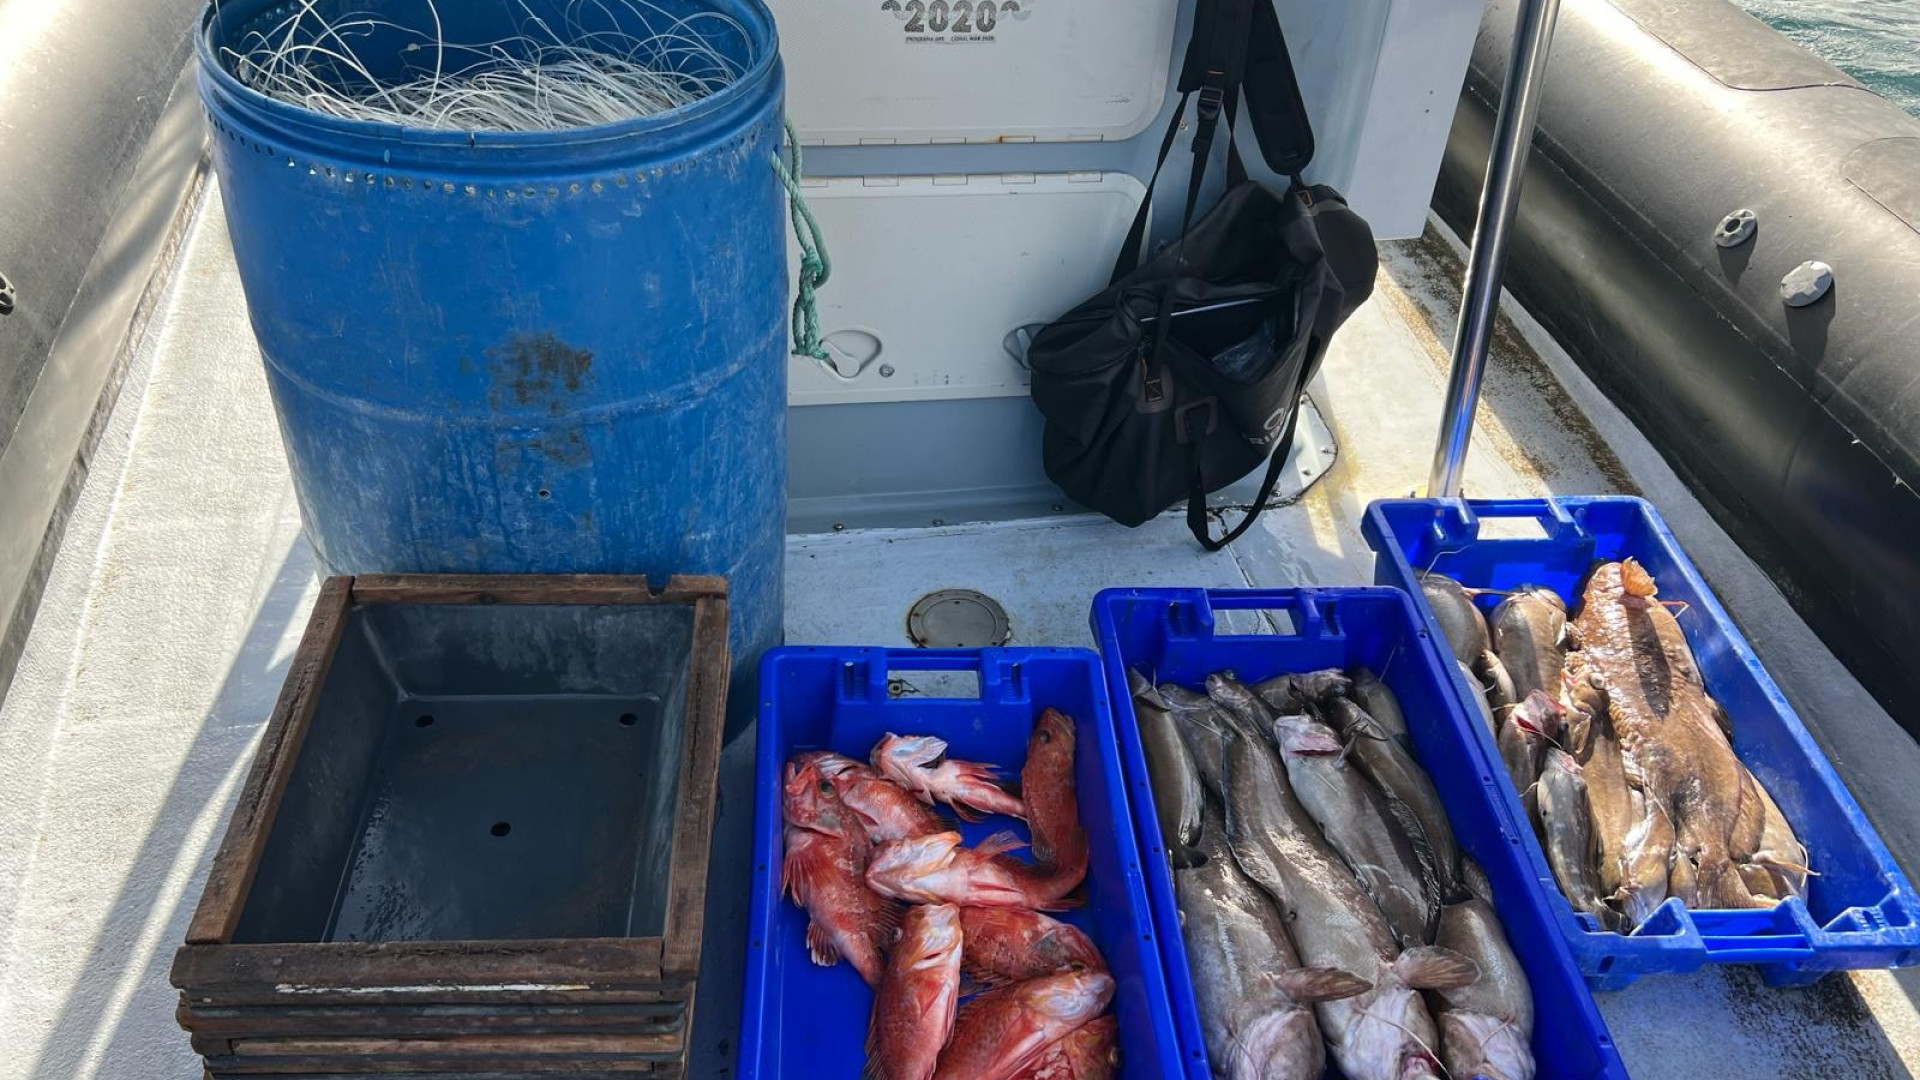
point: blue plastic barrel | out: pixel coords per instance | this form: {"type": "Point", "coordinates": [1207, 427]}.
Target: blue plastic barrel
{"type": "Point", "coordinates": [522, 352]}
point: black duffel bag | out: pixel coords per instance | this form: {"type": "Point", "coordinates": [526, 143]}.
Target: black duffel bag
{"type": "Point", "coordinates": [1186, 372]}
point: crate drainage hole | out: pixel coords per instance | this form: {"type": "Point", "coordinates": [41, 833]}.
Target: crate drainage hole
{"type": "Point", "coordinates": [423, 721]}
{"type": "Point", "coordinates": [627, 719]}
{"type": "Point", "coordinates": [500, 828]}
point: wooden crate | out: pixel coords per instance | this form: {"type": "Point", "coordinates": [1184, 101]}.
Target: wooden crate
{"type": "Point", "coordinates": [628, 669]}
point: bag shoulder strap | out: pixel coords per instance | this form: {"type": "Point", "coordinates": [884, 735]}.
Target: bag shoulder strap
{"type": "Point", "coordinates": [1277, 461]}
{"type": "Point", "coordinates": [1235, 44]}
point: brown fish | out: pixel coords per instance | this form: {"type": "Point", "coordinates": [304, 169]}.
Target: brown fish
{"type": "Point", "coordinates": [1530, 638]}
{"type": "Point", "coordinates": [1090, 1053]}
{"type": "Point", "coordinates": [823, 874]}
{"type": "Point", "coordinates": [1010, 945]}
{"type": "Point", "coordinates": [920, 765]}
{"type": "Point", "coordinates": [1671, 741]}
{"type": "Point", "coordinates": [1000, 1033]}
{"type": "Point", "coordinates": [1460, 621]}
{"type": "Point", "coordinates": [914, 1005]}
{"type": "Point", "coordinates": [1782, 856]}
{"type": "Point", "coordinates": [1567, 829]}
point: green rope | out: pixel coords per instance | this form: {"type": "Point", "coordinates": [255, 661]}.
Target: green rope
{"type": "Point", "coordinates": [815, 266]}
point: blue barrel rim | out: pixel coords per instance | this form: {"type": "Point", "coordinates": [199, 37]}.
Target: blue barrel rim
{"type": "Point", "coordinates": [219, 84]}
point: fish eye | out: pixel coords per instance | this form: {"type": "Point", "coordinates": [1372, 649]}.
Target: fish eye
{"type": "Point", "coordinates": [1046, 736]}
{"type": "Point", "coordinates": [826, 787]}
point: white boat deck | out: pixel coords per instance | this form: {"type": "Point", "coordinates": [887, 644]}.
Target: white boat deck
{"type": "Point", "coordinates": [183, 586]}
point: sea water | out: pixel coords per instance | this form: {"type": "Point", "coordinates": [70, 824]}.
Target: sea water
{"type": "Point", "coordinates": [1875, 41]}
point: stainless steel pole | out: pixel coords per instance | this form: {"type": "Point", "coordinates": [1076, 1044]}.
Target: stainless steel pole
{"type": "Point", "coordinates": [1499, 197]}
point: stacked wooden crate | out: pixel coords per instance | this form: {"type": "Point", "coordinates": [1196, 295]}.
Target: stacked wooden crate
{"type": "Point", "coordinates": [475, 838]}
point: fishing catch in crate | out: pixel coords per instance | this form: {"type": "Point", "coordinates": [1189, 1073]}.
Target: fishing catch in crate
{"type": "Point", "coordinates": [1623, 761]}
{"type": "Point", "coordinates": [888, 886]}
{"type": "Point", "coordinates": [1326, 908]}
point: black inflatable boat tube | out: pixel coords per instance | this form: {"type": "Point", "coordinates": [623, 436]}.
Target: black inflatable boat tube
{"type": "Point", "coordinates": [1798, 426]}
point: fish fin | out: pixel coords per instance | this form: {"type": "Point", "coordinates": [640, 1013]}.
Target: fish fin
{"type": "Point", "coordinates": [1430, 967]}
{"type": "Point", "coordinates": [1775, 861]}
{"type": "Point", "coordinates": [795, 879]}
{"type": "Point", "coordinates": [963, 812]}
{"type": "Point", "coordinates": [999, 844]}
{"type": "Point", "coordinates": [884, 931]}
{"type": "Point", "coordinates": [1634, 579]}
{"type": "Point", "coordinates": [1315, 984]}
{"type": "Point", "coordinates": [825, 953]}
{"type": "Point", "coordinates": [975, 979]}
{"type": "Point", "coordinates": [978, 1003]}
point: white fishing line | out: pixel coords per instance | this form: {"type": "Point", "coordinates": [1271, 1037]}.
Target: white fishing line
{"type": "Point", "coordinates": [545, 78]}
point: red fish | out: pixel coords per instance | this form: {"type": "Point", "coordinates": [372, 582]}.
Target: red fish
{"type": "Point", "coordinates": [914, 1004]}
{"type": "Point", "coordinates": [998, 1035]}
{"type": "Point", "coordinates": [1010, 945]}
{"type": "Point", "coordinates": [937, 870]}
{"type": "Point", "coordinates": [811, 802]}
{"type": "Point", "coordinates": [825, 875]}
{"type": "Point", "coordinates": [885, 809]}
{"type": "Point", "coordinates": [967, 786]}
{"type": "Point", "coordinates": [1091, 1053]}
{"type": "Point", "coordinates": [1053, 812]}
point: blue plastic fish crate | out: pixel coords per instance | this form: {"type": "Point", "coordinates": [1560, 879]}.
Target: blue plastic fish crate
{"type": "Point", "coordinates": [804, 1022]}
{"type": "Point", "coordinates": [1860, 912]}
{"type": "Point", "coordinates": [1174, 635]}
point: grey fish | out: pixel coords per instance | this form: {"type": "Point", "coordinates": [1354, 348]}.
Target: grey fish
{"type": "Point", "coordinates": [1524, 736]}
{"type": "Point", "coordinates": [1386, 1032]}
{"type": "Point", "coordinates": [1390, 766]}
{"type": "Point", "coordinates": [1355, 818]}
{"type": "Point", "coordinates": [1498, 684]}
{"type": "Point", "coordinates": [1249, 713]}
{"type": "Point", "coordinates": [1479, 701]}
{"type": "Point", "coordinates": [1462, 623]}
{"type": "Point", "coordinates": [1292, 693]}
{"type": "Point", "coordinates": [1568, 832]}
{"type": "Point", "coordinates": [1204, 727]}
{"type": "Point", "coordinates": [1530, 639]}
{"type": "Point", "coordinates": [1171, 773]}
{"type": "Point", "coordinates": [1255, 999]}
{"type": "Point", "coordinates": [1473, 878]}
{"type": "Point", "coordinates": [1381, 704]}
{"type": "Point", "coordinates": [1486, 1029]}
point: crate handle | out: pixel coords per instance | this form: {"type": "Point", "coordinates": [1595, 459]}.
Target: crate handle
{"type": "Point", "coordinates": [891, 663]}
{"type": "Point", "coordinates": [1554, 520]}
{"type": "Point", "coordinates": [1300, 607]}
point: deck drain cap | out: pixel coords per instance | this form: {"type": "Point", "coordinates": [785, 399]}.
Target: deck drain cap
{"type": "Point", "coordinates": [958, 619]}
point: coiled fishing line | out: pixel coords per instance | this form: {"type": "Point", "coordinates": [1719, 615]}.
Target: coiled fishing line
{"type": "Point", "coordinates": [545, 78]}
